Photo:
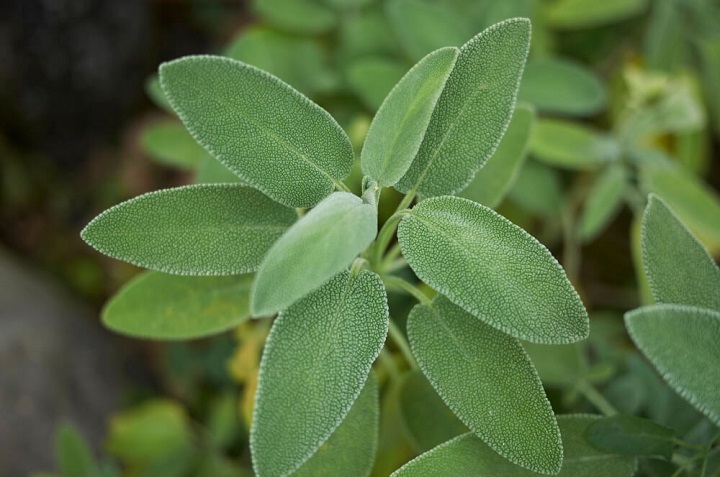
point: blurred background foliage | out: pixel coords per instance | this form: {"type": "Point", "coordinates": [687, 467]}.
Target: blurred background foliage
{"type": "Point", "coordinates": [619, 98]}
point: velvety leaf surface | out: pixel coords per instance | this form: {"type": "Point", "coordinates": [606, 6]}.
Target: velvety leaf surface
{"type": "Point", "coordinates": [570, 145]}
{"type": "Point", "coordinates": [493, 269]}
{"type": "Point", "coordinates": [679, 269]}
{"type": "Point", "coordinates": [160, 306]}
{"type": "Point", "coordinates": [682, 343]}
{"type": "Point", "coordinates": [73, 453]}
{"type": "Point", "coordinates": [580, 14]}
{"type": "Point", "coordinates": [372, 78]}
{"type": "Point", "coordinates": [319, 350]}
{"type": "Point", "coordinates": [427, 418]}
{"type": "Point", "coordinates": [296, 16]}
{"type": "Point", "coordinates": [631, 436]}
{"type": "Point", "coordinates": [492, 182]}
{"type": "Point", "coordinates": [561, 86]}
{"type": "Point", "coordinates": [352, 446]}
{"type": "Point", "coordinates": [271, 136]}
{"type": "Point", "coordinates": [319, 246]}
{"type": "Point", "coordinates": [603, 202]}
{"type": "Point", "coordinates": [399, 126]}
{"type": "Point", "coordinates": [209, 229]}
{"type": "Point", "coordinates": [170, 143]}
{"type": "Point", "coordinates": [469, 456]}
{"type": "Point", "coordinates": [473, 111]}
{"type": "Point", "coordinates": [488, 381]}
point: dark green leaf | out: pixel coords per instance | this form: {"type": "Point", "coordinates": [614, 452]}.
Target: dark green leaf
{"type": "Point", "coordinates": [73, 453]}
{"type": "Point", "coordinates": [631, 436]}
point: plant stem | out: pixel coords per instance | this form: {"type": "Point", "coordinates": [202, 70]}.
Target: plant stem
{"type": "Point", "coordinates": [384, 237]}
{"type": "Point", "coordinates": [597, 399]}
{"type": "Point", "coordinates": [400, 284]}
{"type": "Point", "coordinates": [397, 336]}
{"type": "Point", "coordinates": [407, 200]}
{"type": "Point", "coordinates": [708, 448]}
{"type": "Point", "coordinates": [387, 361]}
{"type": "Point", "coordinates": [340, 185]}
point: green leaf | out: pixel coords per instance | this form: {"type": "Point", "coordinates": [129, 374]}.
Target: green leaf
{"type": "Point", "coordinates": [603, 202]}
{"type": "Point", "coordinates": [296, 16]}
{"type": "Point", "coordinates": [696, 204]}
{"type": "Point", "coordinates": [159, 306]}
{"type": "Point", "coordinates": [631, 436]}
{"type": "Point", "coordinates": [570, 145]}
{"type": "Point", "coordinates": [155, 93]}
{"type": "Point", "coordinates": [581, 14]}
{"type": "Point", "coordinates": [212, 171]}
{"type": "Point", "coordinates": [73, 453]}
{"type": "Point", "coordinates": [169, 143]}
{"type": "Point", "coordinates": [493, 269]}
{"type": "Point", "coordinates": [538, 189]}
{"type": "Point", "coordinates": [366, 32]}
{"type": "Point", "coordinates": [467, 455]}
{"type": "Point", "coordinates": [319, 246]}
{"type": "Point", "coordinates": [679, 269]}
{"type": "Point", "coordinates": [681, 342]}
{"type": "Point", "coordinates": [352, 446]}
{"type": "Point", "coordinates": [666, 46]}
{"type": "Point", "coordinates": [321, 348]}
{"type": "Point", "coordinates": [259, 127]}
{"type": "Point", "coordinates": [372, 78]}
{"type": "Point", "coordinates": [209, 229]}
{"type": "Point", "coordinates": [558, 365]}
{"type": "Point", "coordinates": [473, 111]}
{"type": "Point", "coordinates": [561, 86]}
{"type": "Point", "coordinates": [422, 27]}
{"type": "Point", "coordinates": [399, 126]}
{"type": "Point", "coordinates": [489, 382]}
{"type": "Point", "coordinates": [427, 418]}
{"type": "Point", "coordinates": [492, 182]}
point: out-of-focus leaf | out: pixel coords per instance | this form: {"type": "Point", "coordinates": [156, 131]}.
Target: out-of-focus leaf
{"type": "Point", "coordinates": [469, 456]}
{"type": "Point", "coordinates": [366, 32]}
{"type": "Point", "coordinates": [297, 16]}
{"type": "Point", "coordinates": [570, 145]}
{"type": "Point", "coordinates": [160, 306]}
{"type": "Point", "coordinates": [492, 182]}
{"type": "Point", "coordinates": [394, 445]}
{"type": "Point", "coordinates": [205, 229]}
{"type": "Point", "coordinates": [259, 127]}
{"type": "Point", "coordinates": [352, 446]}
{"type": "Point", "coordinates": [483, 262]}
{"type": "Point", "coordinates": [537, 189]}
{"type": "Point", "coordinates": [562, 86]}
{"type": "Point", "coordinates": [323, 347]}
{"type": "Point", "coordinates": [581, 14]}
{"type": "Point", "coordinates": [427, 418]}
{"type": "Point", "coordinates": [488, 381]}
{"type": "Point", "coordinates": [319, 246]}
{"type": "Point", "coordinates": [631, 436]}
{"type": "Point", "coordinates": [666, 47]}
{"type": "Point", "coordinates": [557, 365]}
{"type": "Point", "coordinates": [212, 171]}
{"type": "Point", "coordinates": [73, 453]}
{"type": "Point", "coordinates": [681, 342]}
{"type": "Point", "coordinates": [169, 143]}
{"type": "Point", "coordinates": [155, 93]}
{"type": "Point", "coordinates": [603, 202]}
{"type": "Point", "coordinates": [372, 78]}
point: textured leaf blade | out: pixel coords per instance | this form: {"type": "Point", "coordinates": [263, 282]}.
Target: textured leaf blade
{"type": "Point", "coordinates": [468, 455]}
{"type": "Point", "coordinates": [631, 436]}
{"type": "Point", "coordinates": [352, 446]}
{"type": "Point", "coordinates": [427, 418]}
{"type": "Point", "coordinates": [159, 306]}
{"type": "Point", "coordinates": [492, 182]}
{"type": "Point", "coordinates": [322, 346]}
{"type": "Point", "coordinates": [603, 202]}
{"type": "Point", "coordinates": [473, 111]}
{"type": "Point", "coordinates": [562, 87]}
{"type": "Point", "coordinates": [169, 142]}
{"type": "Point", "coordinates": [493, 269]}
{"type": "Point", "coordinates": [209, 229]}
{"type": "Point", "coordinates": [319, 246]}
{"type": "Point", "coordinates": [259, 127]}
{"type": "Point", "coordinates": [489, 382]}
{"type": "Point", "coordinates": [565, 144]}
{"type": "Point", "coordinates": [679, 269]}
{"type": "Point", "coordinates": [399, 126]}
{"type": "Point", "coordinates": [681, 342]}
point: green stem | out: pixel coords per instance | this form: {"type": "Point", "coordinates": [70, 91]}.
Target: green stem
{"type": "Point", "coordinates": [571, 248]}
{"type": "Point", "coordinates": [407, 200]}
{"type": "Point", "coordinates": [687, 445]}
{"type": "Point", "coordinates": [597, 399]}
{"type": "Point", "coordinates": [394, 265]}
{"type": "Point", "coordinates": [387, 361]}
{"type": "Point", "coordinates": [384, 237]}
{"type": "Point", "coordinates": [400, 284]}
{"type": "Point", "coordinates": [708, 448]}
{"type": "Point", "coordinates": [340, 185]}
{"type": "Point", "coordinates": [397, 336]}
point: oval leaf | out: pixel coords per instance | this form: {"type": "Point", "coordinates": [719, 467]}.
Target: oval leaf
{"type": "Point", "coordinates": [561, 86]}
{"type": "Point", "coordinates": [489, 382]}
{"type": "Point", "coordinates": [169, 307]}
{"type": "Point", "coordinates": [565, 144]}
{"type": "Point", "coordinates": [679, 269]}
{"type": "Point", "coordinates": [603, 202]}
{"type": "Point", "coordinates": [319, 246]}
{"type": "Point", "coordinates": [322, 347]}
{"type": "Point", "coordinates": [493, 269]}
{"type": "Point", "coordinates": [169, 143]}
{"type": "Point", "coordinates": [473, 111]}
{"type": "Point", "coordinates": [271, 136]}
{"type": "Point", "coordinates": [631, 436]}
{"type": "Point", "coordinates": [352, 446]}
{"type": "Point", "coordinates": [682, 343]}
{"type": "Point", "coordinates": [399, 126]}
{"type": "Point", "coordinates": [467, 455]}
{"type": "Point", "coordinates": [492, 182]}
{"type": "Point", "coordinates": [209, 229]}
